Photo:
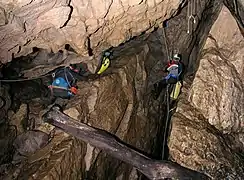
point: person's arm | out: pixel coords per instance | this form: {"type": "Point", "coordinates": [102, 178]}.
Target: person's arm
{"type": "Point", "coordinates": [166, 67]}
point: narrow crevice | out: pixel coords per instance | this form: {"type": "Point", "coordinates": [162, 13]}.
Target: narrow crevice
{"type": "Point", "coordinates": [89, 49]}
{"type": "Point", "coordinates": [69, 16]}
{"type": "Point", "coordinates": [191, 53]}
{"type": "Point", "coordinates": [209, 15]}
{"type": "Point", "coordinates": [109, 7]}
{"type": "Point", "coordinates": [68, 47]}
{"type": "Point", "coordinates": [237, 11]}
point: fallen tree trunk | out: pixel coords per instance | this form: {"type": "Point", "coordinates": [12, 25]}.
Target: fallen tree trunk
{"type": "Point", "coordinates": [103, 140]}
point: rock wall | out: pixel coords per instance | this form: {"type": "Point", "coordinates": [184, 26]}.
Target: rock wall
{"type": "Point", "coordinates": [82, 24]}
{"type": "Point", "coordinates": [113, 103]}
{"type": "Point", "coordinates": [218, 80]}
{"type": "Point", "coordinates": [43, 61]}
{"type": "Point", "coordinates": [208, 126]}
{"type": "Point", "coordinates": [120, 102]}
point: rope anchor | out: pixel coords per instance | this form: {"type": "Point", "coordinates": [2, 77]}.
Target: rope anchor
{"type": "Point", "coordinates": [191, 9]}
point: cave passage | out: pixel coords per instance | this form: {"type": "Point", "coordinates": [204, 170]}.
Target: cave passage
{"type": "Point", "coordinates": [27, 91]}
{"type": "Point", "coordinates": [35, 93]}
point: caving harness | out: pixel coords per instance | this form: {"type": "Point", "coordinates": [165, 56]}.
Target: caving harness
{"type": "Point", "coordinates": [175, 69]}
{"type": "Point", "coordinates": [105, 62]}
{"type": "Point", "coordinates": [63, 84]}
{"type": "Point", "coordinates": [175, 72]}
{"type": "Point", "coordinates": [172, 94]}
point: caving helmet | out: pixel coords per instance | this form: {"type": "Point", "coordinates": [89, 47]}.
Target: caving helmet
{"type": "Point", "coordinates": [107, 54]}
{"type": "Point", "coordinates": [105, 64]}
{"type": "Point", "coordinates": [177, 57]}
{"type": "Point", "coordinates": [106, 57]}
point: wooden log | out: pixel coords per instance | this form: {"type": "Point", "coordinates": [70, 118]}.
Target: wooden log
{"type": "Point", "coordinates": [103, 140]}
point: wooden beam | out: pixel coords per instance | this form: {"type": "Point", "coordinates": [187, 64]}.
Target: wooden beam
{"type": "Point", "coordinates": [103, 140]}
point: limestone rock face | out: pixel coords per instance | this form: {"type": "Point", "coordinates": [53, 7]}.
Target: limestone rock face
{"type": "Point", "coordinates": [7, 134]}
{"type": "Point", "coordinates": [217, 90]}
{"type": "Point", "coordinates": [19, 118]}
{"type": "Point", "coordinates": [196, 144]}
{"type": "Point", "coordinates": [119, 101]}
{"type": "Point", "coordinates": [208, 126]}
{"type": "Point", "coordinates": [97, 24]}
{"type": "Point", "coordinates": [30, 142]}
{"type": "Point", "coordinates": [113, 103]}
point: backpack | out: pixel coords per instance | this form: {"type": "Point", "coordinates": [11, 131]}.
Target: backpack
{"type": "Point", "coordinates": [176, 91]}
{"type": "Point", "coordinates": [63, 84]}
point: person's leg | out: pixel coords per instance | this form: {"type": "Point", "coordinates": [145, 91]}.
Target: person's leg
{"type": "Point", "coordinates": [158, 87]}
{"type": "Point", "coordinates": [171, 80]}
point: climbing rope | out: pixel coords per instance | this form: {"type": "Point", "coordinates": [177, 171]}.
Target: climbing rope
{"type": "Point", "coordinates": [164, 39]}
{"type": "Point", "coordinates": [235, 6]}
{"type": "Point", "coordinates": [20, 80]}
{"type": "Point", "coordinates": [34, 78]}
{"type": "Point", "coordinates": [66, 78]}
{"type": "Point", "coordinates": [165, 42]}
{"type": "Point", "coordinates": [191, 10]}
{"type": "Point", "coordinates": [167, 120]}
